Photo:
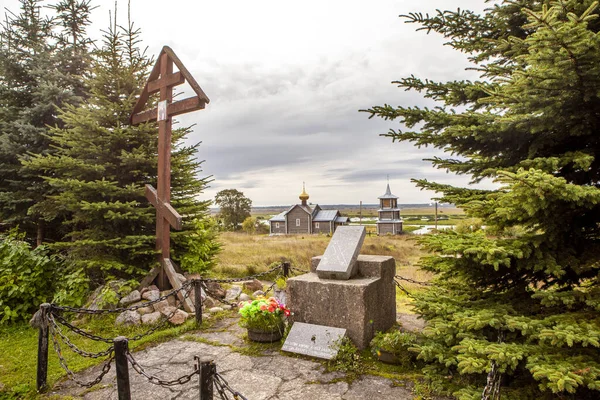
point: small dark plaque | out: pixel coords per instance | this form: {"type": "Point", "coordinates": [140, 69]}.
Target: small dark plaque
{"type": "Point", "coordinates": [313, 340]}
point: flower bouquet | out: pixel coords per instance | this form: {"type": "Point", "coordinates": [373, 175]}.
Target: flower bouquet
{"type": "Point", "coordinates": [263, 318]}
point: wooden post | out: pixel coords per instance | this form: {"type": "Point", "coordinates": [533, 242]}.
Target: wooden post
{"type": "Point", "coordinates": [207, 371]}
{"type": "Point", "coordinates": [198, 301]}
{"type": "Point", "coordinates": [42, 358]}
{"type": "Point", "coordinates": [122, 367]}
{"type": "Point", "coordinates": [286, 269]}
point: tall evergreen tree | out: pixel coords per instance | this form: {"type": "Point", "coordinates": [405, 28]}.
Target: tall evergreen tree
{"type": "Point", "coordinates": [515, 305]}
{"type": "Point", "coordinates": [101, 164]}
{"type": "Point", "coordinates": [39, 72]}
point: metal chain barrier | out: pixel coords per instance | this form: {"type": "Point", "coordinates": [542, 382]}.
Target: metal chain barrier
{"type": "Point", "coordinates": [80, 331]}
{"type": "Point", "coordinates": [70, 373]}
{"type": "Point", "coordinates": [222, 386]}
{"type": "Point", "coordinates": [412, 281]}
{"type": "Point", "coordinates": [246, 278]}
{"type": "Point", "coordinates": [399, 285]}
{"type": "Point", "coordinates": [54, 320]}
{"type": "Point", "coordinates": [73, 347]}
{"type": "Point", "coordinates": [156, 380]}
{"type": "Point", "coordinates": [299, 270]}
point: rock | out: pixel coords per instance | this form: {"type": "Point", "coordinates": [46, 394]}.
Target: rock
{"type": "Point", "coordinates": [179, 317]}
{"type": "Point", "coordinates": [258, 293]}
{"type": "Point", "coordinates": [172, 300]}
{"type": "Point", "coordinates": [279, 294]}
{"type": "Point", "coordinates": [102, 298]}
{"type": "Point", "coordinates": [215, 309]}
{"type": "Point", "coordinates": [161, 305]}
{"type": "Point", "coordinates": [244, 297]}
{"type": "Point", "coordinates": [36, 320]}
{"type": "Point", "coordinates": [145, 289]}
{"type": "Point", "coordinates": [131, 298]}
{"type": "Point", "coordinates": [215, 290]}
{"type": "Point", "coordinates": [146, 310]}
{"type": "Point", "coordinates": [167, 311]}
{"type": "Point", "coordinates": [209, 302]}
{"type": "Point", "coordinates": [151, 295]}
{"type": "Point", "coordinates": [152, 318]}
{"type": "Point", "coordinates": [128, 318]}
{"type": "Point", "coordinates": [226, 307]}
{"type": "Point", "coordinates": [233, 293]}
{"type": "Point", "coordinates": [253, 285]}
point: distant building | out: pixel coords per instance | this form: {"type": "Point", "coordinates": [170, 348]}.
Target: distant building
{"type": "Point", "coordinates": [302, 219]}
{"type": "Point", "coordinates": [389, 221]}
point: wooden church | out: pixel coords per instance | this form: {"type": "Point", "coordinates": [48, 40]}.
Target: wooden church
{"type": "Point", "coordinates": [302, 219]}
{"type": "Point", "coordinates": [389, 221]}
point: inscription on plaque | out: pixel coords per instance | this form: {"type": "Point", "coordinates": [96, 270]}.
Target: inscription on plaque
{"type": "Point", "coordinates": [313, 340]}
{"type": "Point", "coordinates": [340, 258]}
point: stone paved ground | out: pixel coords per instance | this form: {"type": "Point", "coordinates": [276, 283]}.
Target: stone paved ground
{"type": "Point", "coordinates": [271, 376]}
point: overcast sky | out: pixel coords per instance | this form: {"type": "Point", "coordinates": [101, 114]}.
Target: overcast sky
{"type": "Point", "coordinates": [286, 80]}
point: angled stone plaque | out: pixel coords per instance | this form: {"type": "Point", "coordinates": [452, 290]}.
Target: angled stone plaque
{"type": "Point", "coordinates": [313, 340]}
{"type": "Point", "coordinates": [339, 260]}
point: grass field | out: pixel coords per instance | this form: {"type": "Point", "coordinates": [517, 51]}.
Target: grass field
{"type": "Point", "coordinates": [244, 254]}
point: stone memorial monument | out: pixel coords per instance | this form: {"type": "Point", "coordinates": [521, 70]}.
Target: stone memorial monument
{"type": "Point", "coordinates": [346, 290]}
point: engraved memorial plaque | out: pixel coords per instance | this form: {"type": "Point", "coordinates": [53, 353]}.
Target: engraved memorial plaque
{"type": "Point", "coordinates": [313, 340]}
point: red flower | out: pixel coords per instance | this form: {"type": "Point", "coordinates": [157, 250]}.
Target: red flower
{"type": "Point", "coordinates": [263, 307]}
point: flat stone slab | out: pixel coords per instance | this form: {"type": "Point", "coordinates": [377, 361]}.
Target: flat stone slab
{"type": "Point", "coordinates": [270, 376]}
{"type": "Point", "coordinates": [339, 259]}
{"type": "Point", "coordinates": [313, 340]}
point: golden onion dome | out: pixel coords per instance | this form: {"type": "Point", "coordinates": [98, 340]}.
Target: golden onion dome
{"type": "Point", "coordinates": [303, 196]}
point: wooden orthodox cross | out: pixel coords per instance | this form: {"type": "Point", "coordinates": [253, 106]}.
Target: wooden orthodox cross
{"type": "Point", "coordinates": [162, 80]}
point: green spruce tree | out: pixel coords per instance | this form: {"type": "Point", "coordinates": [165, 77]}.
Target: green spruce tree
{"type": "Point", "coordinates": [515, 306]}
{"type": "Point", "coordinates": [42, 60]}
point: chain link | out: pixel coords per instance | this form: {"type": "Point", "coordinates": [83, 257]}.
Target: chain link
{"type": "Point", "coordinates": [302, 271]}
{"type": "Point", "coordinates": [73, 347]}
{"type": "Point", "coordinates": [156, 380]}
{"type": "Point", "coordinates": [246, 278]}
{"type": "Point", "coordinates": [222, 385]}
{"type": "Point", "coordinates": [70, 373]}
{"type": "Point", "coordinates": [412, 281]}
{"type": "Point", "coordinates": [403, 289]}
{"type": "Point", "coordinates": [80, 331]}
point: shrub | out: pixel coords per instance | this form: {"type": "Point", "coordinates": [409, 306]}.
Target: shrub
{"type": "Point", "coordinates": [26, 278]}
{"type": "Point", "coordinates": [202, 247]}
{"type": "Point", "coordinates": [396, 343]}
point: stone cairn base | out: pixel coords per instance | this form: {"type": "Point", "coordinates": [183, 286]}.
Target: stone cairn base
{"type": "Point", "coordinates": [220, 299]}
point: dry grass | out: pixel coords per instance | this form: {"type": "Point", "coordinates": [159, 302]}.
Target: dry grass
{"type": "Point", "coordinates": [244, 254]}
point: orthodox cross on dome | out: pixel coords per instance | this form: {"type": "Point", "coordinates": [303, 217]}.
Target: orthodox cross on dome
{"type": "Point", "coordinates": [162, 80]}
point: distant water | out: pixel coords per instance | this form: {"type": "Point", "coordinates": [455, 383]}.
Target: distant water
{"type": "Point", "coordinates": [425, 229]}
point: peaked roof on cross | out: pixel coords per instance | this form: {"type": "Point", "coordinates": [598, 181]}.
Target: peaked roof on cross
{"type": "Point", "coordinates": [201, 97]}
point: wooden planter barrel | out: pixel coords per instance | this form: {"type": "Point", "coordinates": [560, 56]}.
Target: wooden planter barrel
{"type": "Point", "coordinates": [266, 336]}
